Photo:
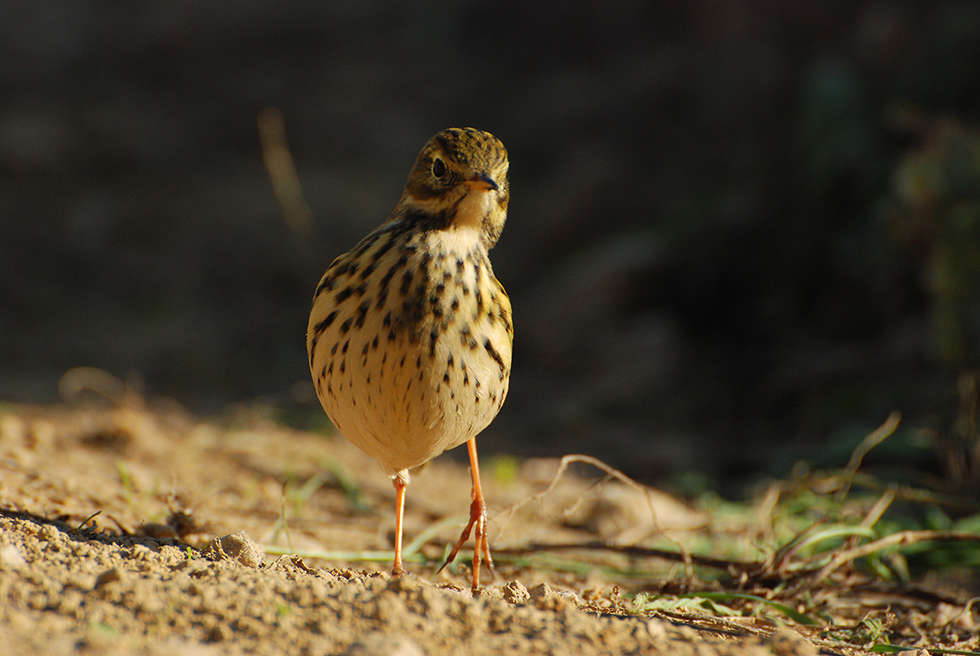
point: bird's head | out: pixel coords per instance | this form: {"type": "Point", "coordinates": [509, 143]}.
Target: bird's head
{"type": "Point", "coordinates": [460, 180]}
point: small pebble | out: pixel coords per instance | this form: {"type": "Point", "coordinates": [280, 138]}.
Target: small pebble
{"type": "Point", "coordinates": [516, 593]}
{"type": "Point", "coordinates": [107, 577]}
{"type": "Point", "coordinates": [236, 546]}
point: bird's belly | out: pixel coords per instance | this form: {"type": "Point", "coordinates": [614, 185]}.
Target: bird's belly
{"type": "Point", "coordinates": [405, 403]}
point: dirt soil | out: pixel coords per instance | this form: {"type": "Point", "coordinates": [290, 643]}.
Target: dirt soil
{"type": "Point", "coordinates": [147, 574]}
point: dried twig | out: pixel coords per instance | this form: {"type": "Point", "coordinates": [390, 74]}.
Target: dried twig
{"type": "Point", "coordinates": [88, 519]}
{"type": "Point", "coordinates": [282, 173]}
{"type": "Point", "coordinates": [877, 510]}
{"type": "Point", "coordinates": [873, 515]}
{"type": "Point", "coordinates": [778, 560]}
{"type": "Point", "coordinates": [613, 472]}
{"type": "Point", "coordinates": [765, 509]}
{"type": "Point", "coordinates": [915, 495]}
{"type": "Point", "coordinates": [734, 626]}
{"type": "Point", "coordinates": [873, 439]}
{"type": "Point", "coordinates": [895, 539]}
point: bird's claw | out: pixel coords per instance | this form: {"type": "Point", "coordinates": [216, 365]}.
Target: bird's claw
{"type": "Point", "coordinates": [481, 547]}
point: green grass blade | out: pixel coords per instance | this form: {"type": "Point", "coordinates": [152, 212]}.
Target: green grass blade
{"type": "Point", "coordinates": [897, 649]}
{"type": "Point", "coordinates": [796, 616]}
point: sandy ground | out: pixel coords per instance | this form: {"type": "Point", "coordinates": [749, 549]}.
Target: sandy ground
{"type": "Point", "coordinates": [146, 574]}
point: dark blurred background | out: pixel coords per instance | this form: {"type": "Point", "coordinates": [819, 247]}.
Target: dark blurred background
{"type": "Point", "coordinates": [741, 233]}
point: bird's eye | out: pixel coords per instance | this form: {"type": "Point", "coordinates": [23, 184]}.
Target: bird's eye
{"type": "Point", "coordinates": [438, 168]}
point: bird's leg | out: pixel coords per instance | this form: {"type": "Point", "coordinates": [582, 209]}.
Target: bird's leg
{"type": "Point", "coordinates": [400, 484]}
{"type": "Point", "coordinates": [478, 519]}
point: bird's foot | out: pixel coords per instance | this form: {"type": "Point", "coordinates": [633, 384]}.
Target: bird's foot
{"type": "Point", "coordinates": [481, 547]}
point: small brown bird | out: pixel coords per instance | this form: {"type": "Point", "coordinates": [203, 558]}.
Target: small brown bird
{"type": "Point", "coordinates": [410, 335]}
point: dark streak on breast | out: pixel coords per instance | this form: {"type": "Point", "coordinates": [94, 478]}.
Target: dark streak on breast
{"type": "Point", "coordinates": [318, 331]}
{"type": "Point", "coordinates": [492, 352]}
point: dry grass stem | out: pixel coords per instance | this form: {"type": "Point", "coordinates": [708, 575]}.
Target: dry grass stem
{"type": "Point", "coordinates": [873, 439]}
{"type": "Point", "coordinates": [614, 473]}
{"type": "Point", "coordinates": [895, 539]}
{"type": "Point", "coordinates": [282, 172]}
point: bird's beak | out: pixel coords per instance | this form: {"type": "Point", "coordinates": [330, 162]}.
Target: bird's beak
{"type": "Point", "coordinates": [482, 181]}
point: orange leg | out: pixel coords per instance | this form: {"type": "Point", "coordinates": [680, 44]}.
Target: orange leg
{"type": "Point", "coordinates": [478, 518]}
{"type": "Point", "coordinates": [400, 486]}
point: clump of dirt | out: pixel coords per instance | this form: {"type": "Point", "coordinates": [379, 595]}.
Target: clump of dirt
{"type": "Point", "coordinates": [127, 530]}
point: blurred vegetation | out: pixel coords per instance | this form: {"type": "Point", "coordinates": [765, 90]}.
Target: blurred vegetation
{"type": "Point", "coordinates": [740, 234]}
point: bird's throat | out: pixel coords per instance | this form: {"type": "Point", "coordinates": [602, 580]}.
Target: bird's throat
{"type": "Point", "coordinates": [475, 214]}
{"type": "Point", "coordinates": [473, 208]}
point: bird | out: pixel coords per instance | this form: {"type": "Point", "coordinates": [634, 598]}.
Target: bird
{"type": "Point", "coordinates": [410, 335]}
